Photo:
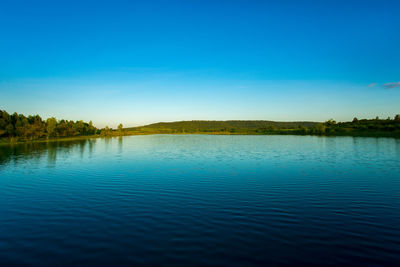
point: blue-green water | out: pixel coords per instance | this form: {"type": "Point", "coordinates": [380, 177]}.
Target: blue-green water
{"type": "Point", "coordinates": [198, 199]}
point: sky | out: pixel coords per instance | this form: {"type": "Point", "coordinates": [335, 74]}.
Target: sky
{"type": "Point", "coordinates": [139, 62]}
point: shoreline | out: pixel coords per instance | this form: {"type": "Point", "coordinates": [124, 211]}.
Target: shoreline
{"type": "Point", "coordinates": [4, 141]}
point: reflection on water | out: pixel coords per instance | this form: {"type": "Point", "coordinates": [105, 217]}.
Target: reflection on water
{"type": "Point", "coordinates": [20, 153]}
{"type": "Point", "coordinates": [36, 151]}
{"type": "Point", "coordinates": [201, 200]}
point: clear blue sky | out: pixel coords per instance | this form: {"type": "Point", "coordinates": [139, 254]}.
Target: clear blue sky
{"type": "Point", "coordinates": [138, 62]}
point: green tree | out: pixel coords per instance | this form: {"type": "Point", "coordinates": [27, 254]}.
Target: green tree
{"type": "Point", "coordinates": [120, 128]}
{"type": "Point", "coordinates": [79, 127]}
{"type": "Point", "coordinates": [4, 120]}
{"type": "Point", "coordinates": [330, 122]}
{"type": "Point", "coordinates": [106, 131]}
{"type": "Point", "coordinates": [21, 126]}
{"type": "Point", "coordinates": [51, 124]}
{"type": "Point", "coordinates": [10, 129]}
{"type": "Point", "coordinates": [320, 129]}
{"type": "Point", "coordinates": [91, 128]}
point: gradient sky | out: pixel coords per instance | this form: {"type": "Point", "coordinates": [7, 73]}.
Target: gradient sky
{"type": "Point", "coordinates": [138, 62]}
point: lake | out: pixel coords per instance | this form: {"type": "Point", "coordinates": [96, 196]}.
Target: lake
{"type": "Point", "coordinates": [201, 199]}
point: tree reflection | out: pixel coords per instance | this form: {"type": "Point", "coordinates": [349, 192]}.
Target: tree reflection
{"type": "Point", "coordinates": [17, 153]}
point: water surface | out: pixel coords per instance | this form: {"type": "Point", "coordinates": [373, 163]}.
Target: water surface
{"type": "Point", "coordinates": [199, 199]}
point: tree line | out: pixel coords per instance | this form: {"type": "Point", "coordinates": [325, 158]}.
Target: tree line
{"type": "Point", "coordinates": [20, 127]}
{"type": "Point", "coordinates": [369, 127]}
{"type": "Point", "coordinates": [364, 127]}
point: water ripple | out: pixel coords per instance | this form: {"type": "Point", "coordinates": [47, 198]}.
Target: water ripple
{"type": "Point", "coordinates": [201, 200]}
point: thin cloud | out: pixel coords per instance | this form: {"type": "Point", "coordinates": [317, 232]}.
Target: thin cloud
{"type": "Point", "coordinates": [391, 85]}
{"type": "Point", "coordinates": [372, 84]}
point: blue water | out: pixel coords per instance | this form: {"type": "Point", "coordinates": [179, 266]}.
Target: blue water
{"type": "Point", "coordinates": [201, 199]}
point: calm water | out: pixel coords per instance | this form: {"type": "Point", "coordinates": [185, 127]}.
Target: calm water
{"type": "Point", "coordinates": [197, 199]}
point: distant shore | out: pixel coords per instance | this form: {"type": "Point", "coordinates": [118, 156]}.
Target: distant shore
{"type": "Point", "coordinates": [17, 128]}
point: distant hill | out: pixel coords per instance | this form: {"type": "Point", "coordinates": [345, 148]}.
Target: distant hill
{"type": "Point", "coordinates": [220, 126]}
{"type": "Point", "coordinates": [365, 127]}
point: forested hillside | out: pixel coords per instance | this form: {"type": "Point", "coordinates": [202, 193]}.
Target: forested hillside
{"type": "Point", "coordinates": [220, 126]}
{"type": "Point", "coordinates": [365, 127]}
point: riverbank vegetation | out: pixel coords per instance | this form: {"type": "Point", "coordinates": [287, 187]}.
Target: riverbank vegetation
{"type": "Point", "coordinates": [20, 128]}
